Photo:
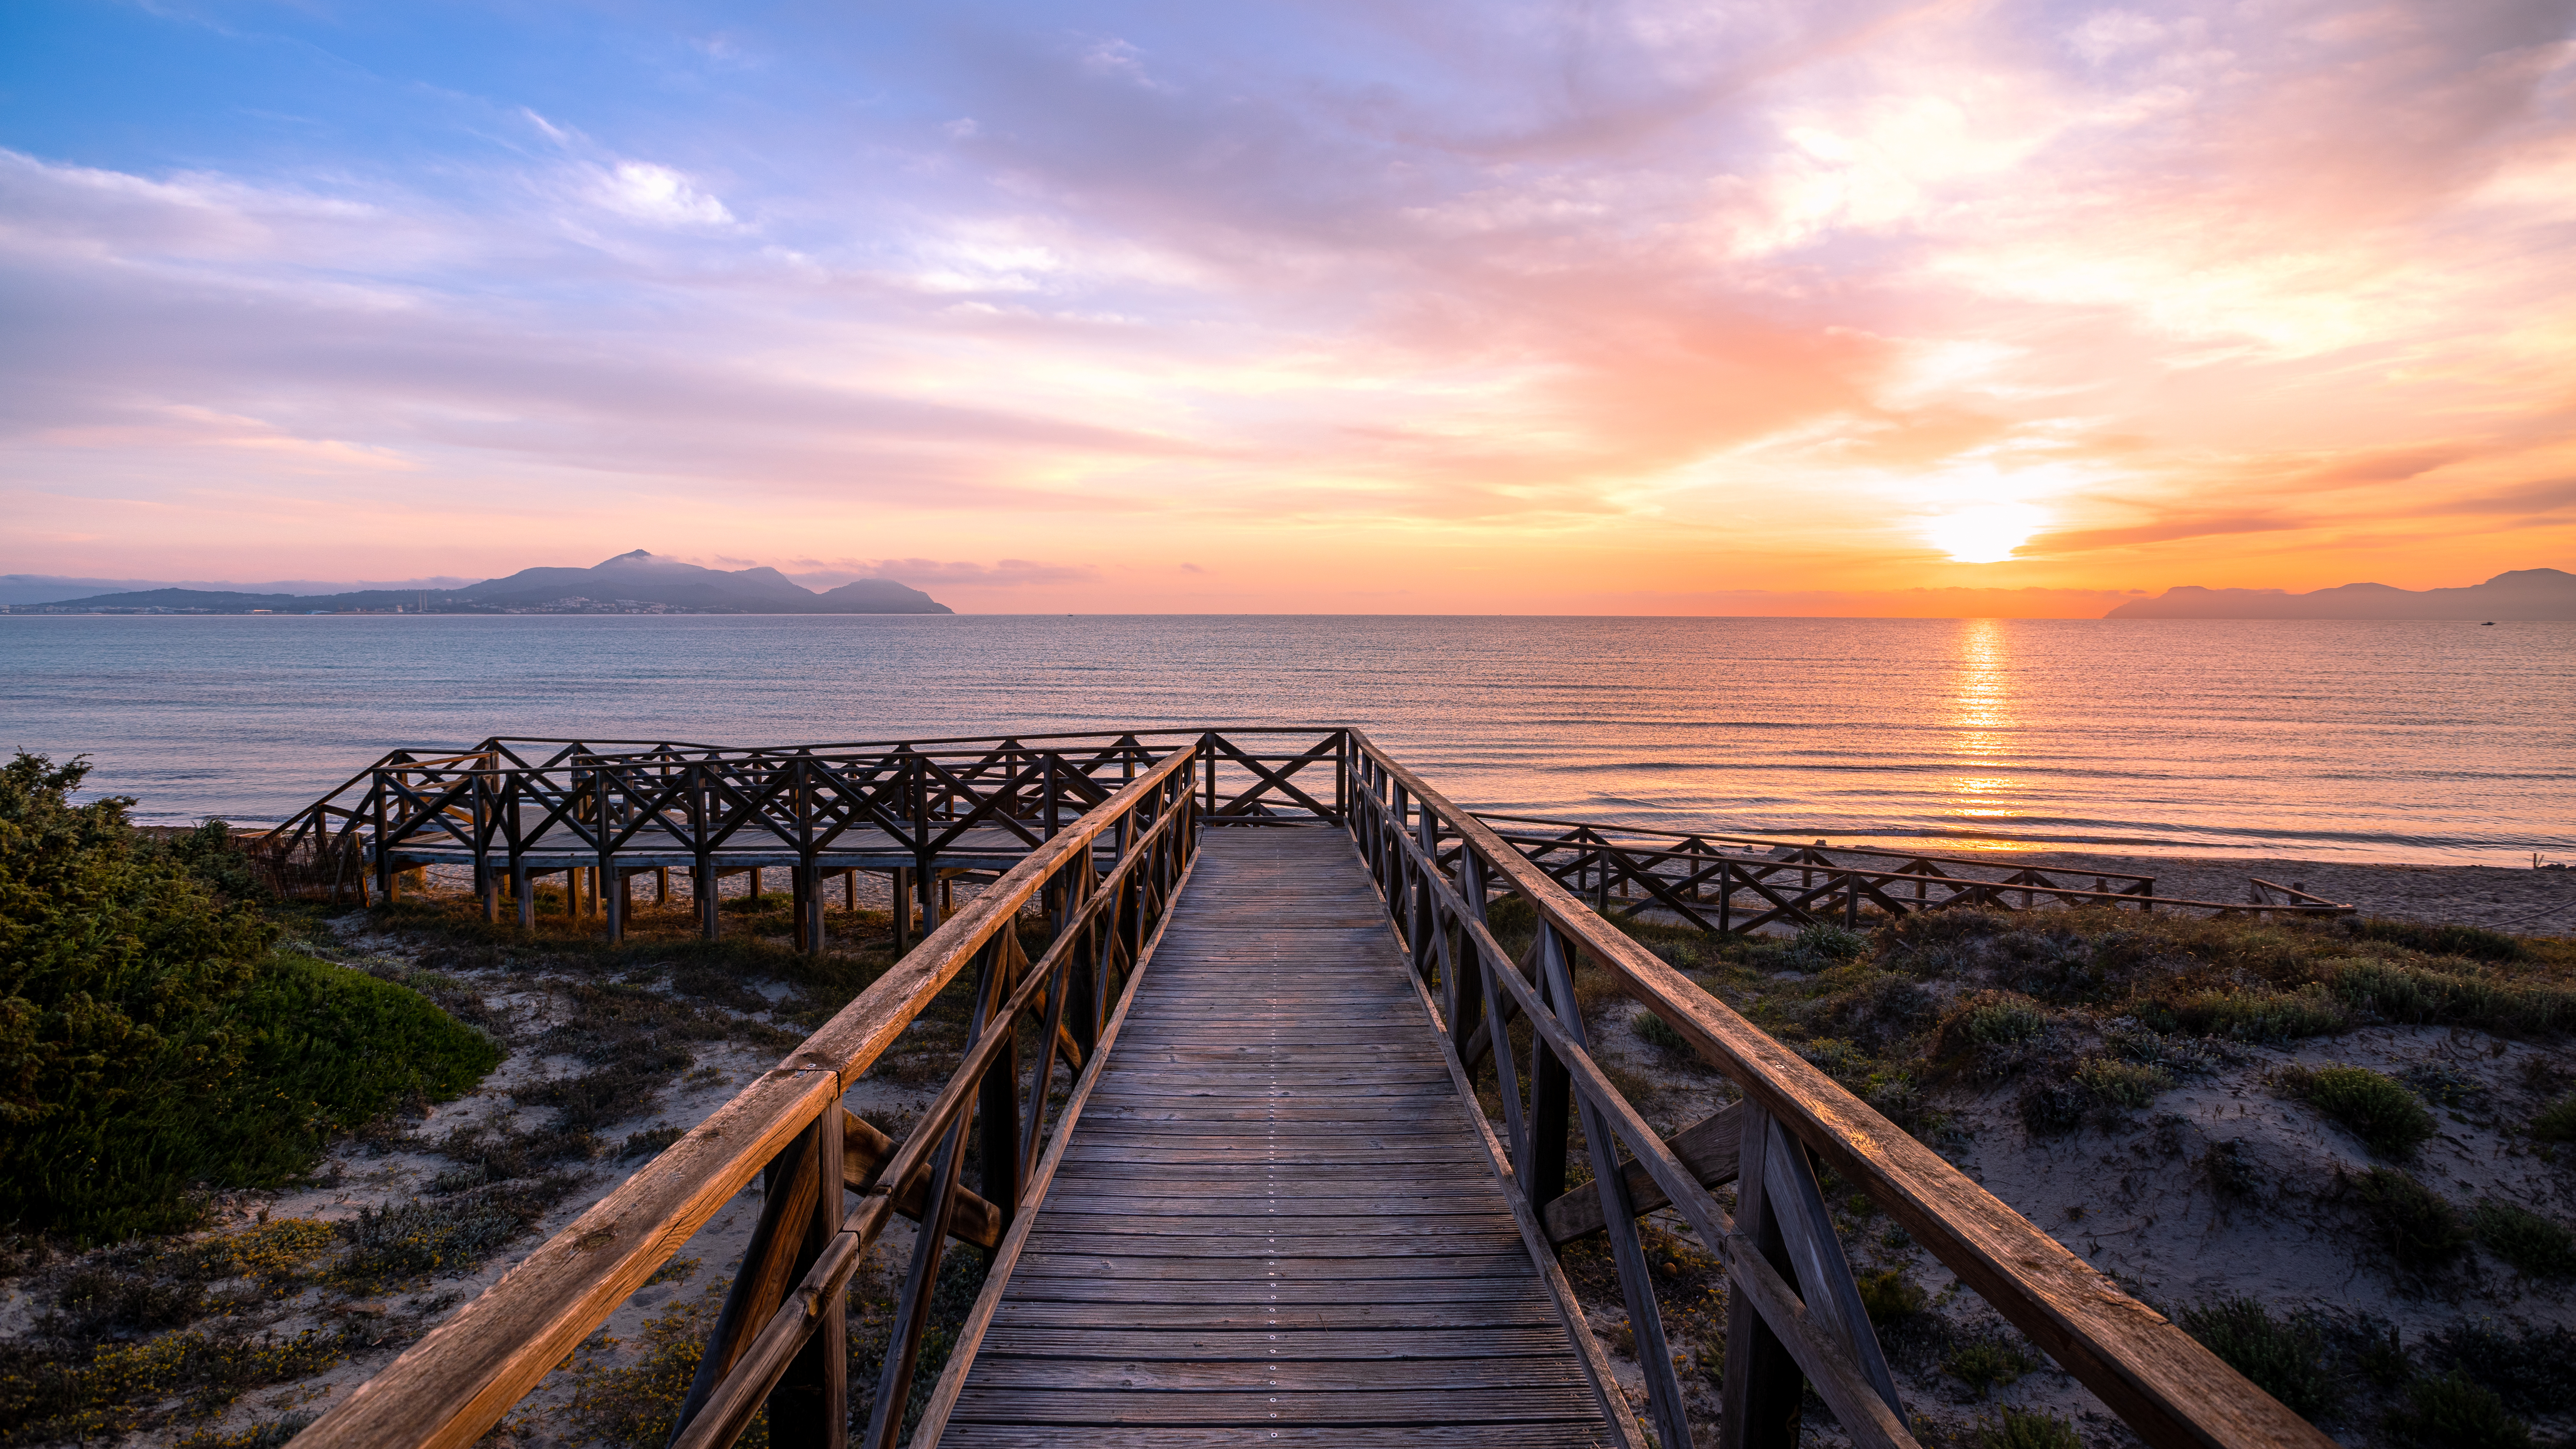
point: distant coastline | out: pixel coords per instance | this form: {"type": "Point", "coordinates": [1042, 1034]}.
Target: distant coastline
{"type": "Point", "coordinates": [630, 583]}
{"type": "Point", "coordinates": [2522, 595]}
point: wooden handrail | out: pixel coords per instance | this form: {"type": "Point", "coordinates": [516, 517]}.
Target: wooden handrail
{"type": "Point", "coordinates": [2169, 1388]}
{"type": "Point", "coordinates": [450, 1388]}
{"type": "Point", "coordinates": [1607, 831]}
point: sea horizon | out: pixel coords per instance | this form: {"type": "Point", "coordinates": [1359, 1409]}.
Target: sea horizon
{"type": "Point", "coordinates": [2355, 741]}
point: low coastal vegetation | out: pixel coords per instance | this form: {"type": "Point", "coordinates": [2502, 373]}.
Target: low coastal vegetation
{"type": "Point", "coordinates": [2085, 1025]}
{"type": "Point", "coordinates": [154, 1039]}
{"type": "Point", "coordinates": [207, 1040]}
{"type": "Point", "coordinates": [185, 1049]}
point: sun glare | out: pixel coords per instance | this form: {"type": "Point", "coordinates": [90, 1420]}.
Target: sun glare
{"type": "Point", "coordinates": [1987, 533]}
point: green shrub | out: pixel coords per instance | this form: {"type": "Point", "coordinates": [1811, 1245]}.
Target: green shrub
{"type": "Point", "coordinates": [2533, 1370]}
{"type": "Point", "coordinates": [2417, 1225]}
{"type": "Point", "coordinates": [2453, 1413]}
{"type": "Point", "coordinates": [149, 1038]}
{"type": "Point", "coordinates": [1826, 945]}
{"type": "Point", "coordinates": [2000, 1016]}
{"type": "Point", "coordinates": [2124, 1086]}
{"type": "Point", "coordinates": [2557, 1121]}
{"type": "Point", "coordinates": [2017, 1430]}
{"type": "Point", "coordinates": [2474, 942]}
{"type": "Point", "coordinates": [1987, 1364]}
{"type": "Point", "coordinates": [2100, 1089]}
{"type": "Point", "coordinates": [2382, 1111]}
{"type": "Point", "coordinates": [2283, 1357]}
{"type": "Point", "coordinates": [404, 1242]}
{"type": "Point", "coordinates": [2390, 992]}
{"type": "Point", "coordinates": [2538, 1247]}
{"type": "Point", "coordinates": [1890, 1296]}
{"type": "Point", "coordinates": [2259, 1016]}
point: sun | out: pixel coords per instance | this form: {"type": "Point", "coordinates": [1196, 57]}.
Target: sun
{"type": "Point", "coordinates": [1986, 533]}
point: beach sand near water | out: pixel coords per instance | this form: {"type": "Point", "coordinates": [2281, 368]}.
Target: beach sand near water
{"type": "Point", "coordinates": [2520, 900]}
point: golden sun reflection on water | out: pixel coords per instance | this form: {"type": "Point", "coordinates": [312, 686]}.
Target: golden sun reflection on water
{"type": "Point", "coordinates": [1982, 724]}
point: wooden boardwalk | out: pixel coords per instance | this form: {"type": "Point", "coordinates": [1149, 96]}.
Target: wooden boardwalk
{"type": "Point", "coordinates": [1273, 1222]}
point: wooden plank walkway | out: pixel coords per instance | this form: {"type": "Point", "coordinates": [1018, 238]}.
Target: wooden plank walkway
{"type": "Point", "coordinates": [1273, 1222]}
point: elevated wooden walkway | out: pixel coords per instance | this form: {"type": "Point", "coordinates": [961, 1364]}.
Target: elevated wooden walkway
{"type": "Point", "coordinates": [1273, 1221]}
{"type": "Point", "coordinates": [1266, 1210]}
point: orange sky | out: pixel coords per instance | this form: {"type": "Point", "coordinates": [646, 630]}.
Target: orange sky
{"type": "Point", "coordinates": [1793, 308]}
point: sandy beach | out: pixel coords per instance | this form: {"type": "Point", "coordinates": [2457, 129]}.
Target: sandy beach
{"type": "Point", "coordinates": [2524, 901]}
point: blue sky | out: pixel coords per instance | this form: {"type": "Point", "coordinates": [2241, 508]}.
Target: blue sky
{"type": "Point", "coordinates": [1636, 308]}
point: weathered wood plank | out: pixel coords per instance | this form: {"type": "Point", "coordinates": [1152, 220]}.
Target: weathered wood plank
{"type": "Point", "coordinates": [1346, 1436]}
{"type": "Point", "coordinates": [1273, 1171]}
{"type": "Point", "coordinates": [1418, 1404]}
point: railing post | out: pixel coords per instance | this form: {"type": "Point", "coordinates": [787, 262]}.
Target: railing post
{"type": "Point", "coordinates": [1550, 1085]}
{"type": "Point", "coordinates": [810, 1408]}
{"type": "Point", "coordinates": [1760, 1396]}
{"type": "Point", "coordinates": [384, 850]}
{"type": "Point", "coordinates": [997, 1097]}
{"type": "Point", "coordinates": [608, 886]}
{"type": "Point", "coordinates": [1619, 1218]}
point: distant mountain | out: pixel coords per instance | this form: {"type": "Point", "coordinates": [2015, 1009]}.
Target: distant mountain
{"type": "Point", "coordinates": [636, 582]}
{"type": "Point", "coordinates": [2522, 594]}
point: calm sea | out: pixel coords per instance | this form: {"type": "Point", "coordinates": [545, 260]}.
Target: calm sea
{"type": "Point", "coordinates": [2359, 741]}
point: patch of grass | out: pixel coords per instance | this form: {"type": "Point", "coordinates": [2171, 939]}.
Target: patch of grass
{"type": "Point", "coordinates": [2126, 1086]}
{"type": "Point", "coordinates": [2417, 1226]}
{"type": "Point", "coordinates": [2382, 1111]}
{"type": "Point", "coordinates": [1995, 1035]}
{"type": "Point", "coordinates": [2536, 1246]}
{"type": "Point", "coordinates": [2014, 1429]}
{"type": "Point", "coordinates": [2557, 1121]}
{"type": "Point", "coordinates": [640, 1403]}
{"type": "Point", "coordinates": [408, 1241]}
{"type": "Point", "coordinates": [1827, 946]}
{"type": "Point", "coordinates": [1889, 1087]}
{"type": "Point", "coordinates": [651, 1140]}
{"type": "Point", "coordinates": [267, 1434]}
{"type": "Point", "coordinates": [2532, 1370]}
{"type": "Point", "coordinates": [1992, 1017]}
{"type": "Point", "coordinates": [134, 1291]}
{"type": "Point", "coordinates": [2261, 1016]}
{"type": "Point", "coordinates": [1891, 1297]}
{"type": "Point", "coordinates": [2388, 991]}
{"type": "Point", "coordinates": [1988, 1364]}
{"type": "Point", "coordinates": [2474, 942]}
{"type": "Point", "coordinates": [54, 1392]}
{"type": "Point", "coordinates": [2099, 1090]}
{"type": "Point", "coordinates": [2284, 1357]}
{"type": "Point", "coordinates": [2453, 1413]}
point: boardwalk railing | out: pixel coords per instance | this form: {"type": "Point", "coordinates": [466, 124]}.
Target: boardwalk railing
{"type": "Point", "coordinates": [604, 811]}
{"type": "Point", "coordinates": [1104, 882]}
{"type": "Point", "coordinates": [1627, 870]}
{"type": "Point", "coordinates": [1794, 1312]}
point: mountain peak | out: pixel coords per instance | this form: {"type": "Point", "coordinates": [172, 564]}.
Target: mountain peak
{"type": "Point", "coordinates": [634, 556]}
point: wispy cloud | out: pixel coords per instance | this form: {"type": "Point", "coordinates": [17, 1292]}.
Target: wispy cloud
{"type": "Point", "coordinates": [1642, 301]}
